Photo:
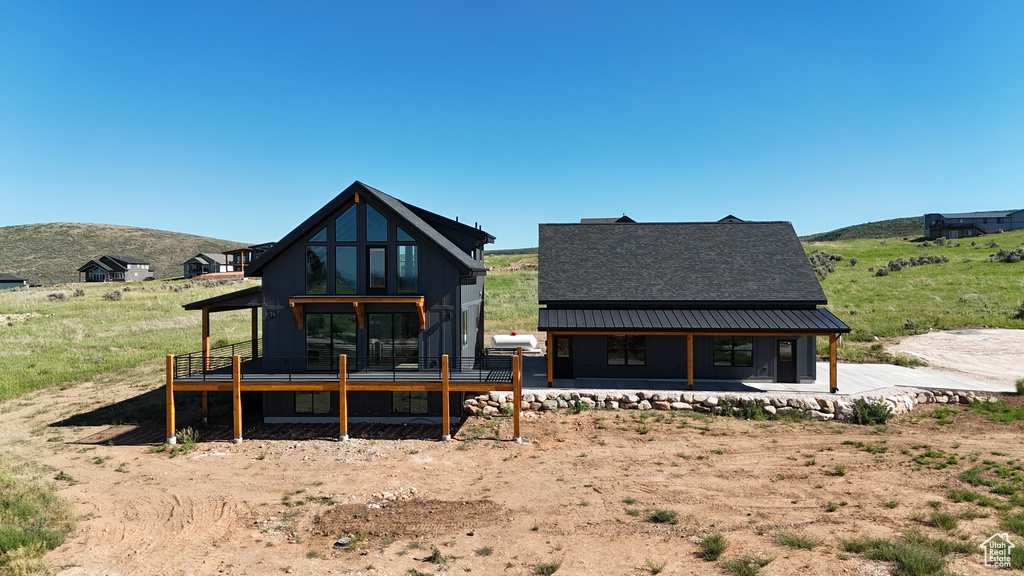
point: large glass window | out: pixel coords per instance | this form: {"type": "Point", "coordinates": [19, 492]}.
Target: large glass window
{"type": "Point", "coordinates": [316, 269]}
{"type": "Point", "coordinates": [376, 226]}
{"type": "Point", "coordinates": [627, 350]}
{"type": "Point", "coordinates": [409, 402]}
{"type": "Point", "coordinates": [312, 402]}
{"type": "Point", "coordinates": [327, 337]}
{"type": "Point", "coordinates": [345, 226]}
{"type": "Point", "coordinates": [408, 270]}
{"type": "Point", "coordinates": [345, 275]}
{"type": "Point", "coordinates": [394, 341]}
{"type": "Point", "coordinates": [402, 236]}
{"type": "Point", "coordinates": [734, 351]}
{"type": "Point", "coordinates": [320, 236]}
{"type": "Point", "coordinates": [378, 276]}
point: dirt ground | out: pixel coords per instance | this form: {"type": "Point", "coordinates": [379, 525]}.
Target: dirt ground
{"type": "Point", "coordinates": [988, 355]}
{"type": "Point", "coordinates": [579, 491]}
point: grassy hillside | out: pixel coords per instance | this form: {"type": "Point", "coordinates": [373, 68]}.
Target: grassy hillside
{"type": "Point", "coordinates": [46, 342]}
{"type": "Point", "coordinates": [51, 253]}
{"type": "Point", "coordinates": [911, 228]}
{"type": "Point", "coordinates": [968, 290]}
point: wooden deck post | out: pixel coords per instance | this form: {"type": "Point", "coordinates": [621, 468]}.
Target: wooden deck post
{"type": "Point", "coordinates": [517, 393]}
{"type": "Point", "coordinates": [551, 359]}
{"type": "Point", "coordinates": [833, 384]}
{"type": "Point", "coordinates": [206, 338]}
{"type": "Point", "coordinates": [206, 406]}
{"type": "Point", "coordinates": [170, 439]}
{"type": "Point", "coordinates": [236, 396]}
{"type": "Point", "coordinates": [446, 409]}
{"type": "Point", "coordinates": [689, 361]}
{"type": "Point", "coordinates": [343, 397]}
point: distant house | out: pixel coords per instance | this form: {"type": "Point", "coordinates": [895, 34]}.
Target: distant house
{"type": "Point", "coordinates": [115, 269]}
{"type": "Point", "coordinates": [9, 281]}
{"type": "Point", "coordinates": [718, 301]}
{"type": "Point", "coordinates": [240, 258]}
{"type": "Point", "coordinates": [206, 264]}
{"type": "Point", "coordinates": [969, 224]}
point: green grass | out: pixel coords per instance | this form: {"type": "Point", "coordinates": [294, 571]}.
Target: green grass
{"type": "Point", "coordinates": [915, 555]}
{"type": "Point", "coordinates": [33, 520]}
{"type": "Point", "coordinates": [746, 565]}
{"type": "Point", "coordinates": [931, 296]}
{"type": "Point", "coordinates": [998, 411]}
{"type": "Point", "coordinates": [64, 342]}
{"type": "Point", "coordinates": [510, 297]}
{"type": "Point", "coordinates": [547, 568]}
{"type": "Point", "coordinates": [795, 540]}
{"type": "Point", "coordinates": [912, 227]}
{"type": "Point", "coordinates": [50, 254]}
{"type": "Point", "coordinates": [712, 546]}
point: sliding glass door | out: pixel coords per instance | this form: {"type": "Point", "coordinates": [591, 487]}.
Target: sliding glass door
{"type": "Point", "coordinates": [394, 341]}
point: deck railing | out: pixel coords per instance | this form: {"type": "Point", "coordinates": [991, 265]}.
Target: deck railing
{"type": "Point", "coordinates": [218, 360]}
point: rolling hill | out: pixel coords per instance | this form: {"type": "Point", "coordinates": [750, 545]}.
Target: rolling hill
{"type": "Point", "coordinates": [52, 253]}
{"type": "Point", "coordinates": [912, 227]}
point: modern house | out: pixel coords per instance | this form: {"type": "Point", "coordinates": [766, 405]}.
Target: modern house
{"type": "Point", "coordinates": [206, 264]}
{"type": "Point", "coordinates": [372, 309]}
{"type": "Point", "coordinates": [115, 269]}
{"type": "Point", "coordinates": [9, 281]}
{"type": "Point", "coordinates": [240, 258]}
{"type": "Point", "coordinates": [969, 224]}
{"type": "Point", "coordinates": [724, 300]}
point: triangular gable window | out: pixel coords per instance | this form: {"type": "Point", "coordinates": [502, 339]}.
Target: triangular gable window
{"type": "Point", "coordinates": [376, 226]}
{"type": "Point", "coordinates": [320, 236]}
{"type": "Point", "coordinates": [403, 237]}
{"type": "Point", "coordinates": [345, 226]}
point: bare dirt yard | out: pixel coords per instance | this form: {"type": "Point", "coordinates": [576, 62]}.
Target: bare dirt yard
{"type": "Point", "coordinates": [582, 494]}
{"type": "Point", "coordinates": [988, 355]}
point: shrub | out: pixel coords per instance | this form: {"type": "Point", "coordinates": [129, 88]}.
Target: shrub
{"type": "Point", "coordinates": [78, 292]}
{"type": "Point", "coordinates": [115, 295]}
{"type": "Point", "coordinates": [853, 262]}
{"type": "Point", "coordinates": [793, 540]}
{"type": "Point", "coordinates": [58, 296]}
{"type": "Point", "coordinates": [1020, 312]}
{"type": "Point", "coordinates": [870, 412]}
{"type": "Point", "coordinates": [882, 272]}
{"type": "Point", "coordinates": [547, 568]}
{"type": "Point", "coordinates": [712, 546]}
{"type": "Point", "coordinates": [944, 521]}
{"type": "Point", "coordinates": [663, 517]}
{"type": "Point", "coordinates": [747, 565]}
{"type": "Point", "coordinates": [1020, 381]}
{"type": "Point", "coordinates": [823, 262]}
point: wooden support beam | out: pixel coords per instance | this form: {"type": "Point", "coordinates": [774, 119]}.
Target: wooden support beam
{"type": "Point", "coordinates": [517, 393]}
{"type": "Point", "coordinates": [206, 338]}
{"type": "Point", "coordinates": [551, 358]}
{"type": "Point", "coordinates": [446, 409]}
{"type": "Point", "coordinates": [170, 400]}
{"type": "Point", "coordinates": [689, 361]}
{"type": "Point", "coordinates": [297, 311]}
{"type": "Point", "coordinates": [343, 397]}
{"type": "Point", "coordinates": [357, 197]}
{"type": "Point", "coordinates": [360, 316]}
{"type": "Point", "coordinates": [236, 396]}
{"type": "Point", "coordinates": [833, 377]}
{"type": "Point", "coordinates": [422, 313]}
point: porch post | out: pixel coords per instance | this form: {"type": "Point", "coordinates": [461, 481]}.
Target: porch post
{"type": "Point", "coordinates": [236, 393]}
{"type": "Point", "coordinates": [255, 331]}
{"type": "Point", "coordinates": [343, 397]}
{"type": "Point", "coordinates": [689, 361]}
{"type": "Point", "coordinates": [551, 359]}
{"type": "Point", "coordinates": [833, 385]}
{"type": "Point", "coordinates": [445, 404]}
{"type": "Point", "coordinates": [517, 393]}
{"type": "Point", "coordinates": [206, 338]}
{"type": "Point", "coordinates": [170, 439]}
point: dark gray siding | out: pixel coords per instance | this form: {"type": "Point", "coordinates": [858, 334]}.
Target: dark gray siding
{"type": "Point", "coordinates": [666, 359]}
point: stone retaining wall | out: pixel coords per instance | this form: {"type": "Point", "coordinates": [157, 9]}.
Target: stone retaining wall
{"type": "Point", "coordinates": [817, 408]}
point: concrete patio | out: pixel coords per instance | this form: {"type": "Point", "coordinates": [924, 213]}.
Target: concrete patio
{"type": "Point", "coordinates": [853, 379]}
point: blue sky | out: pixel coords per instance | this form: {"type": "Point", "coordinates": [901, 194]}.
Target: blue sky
{"type": "Point", "coordinates": [238, 120]}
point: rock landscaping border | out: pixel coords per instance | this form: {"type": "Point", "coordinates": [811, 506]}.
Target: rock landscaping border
{"type": "Point", "coordinates": [814, 407]}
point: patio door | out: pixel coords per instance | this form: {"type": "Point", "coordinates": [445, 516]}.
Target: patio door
{"type": "Point", "coordinates": [394, 341]}
{"type": "Point", "coordinates": [327, 337]}
{"type": "Point", "coordinates": [786, 361]}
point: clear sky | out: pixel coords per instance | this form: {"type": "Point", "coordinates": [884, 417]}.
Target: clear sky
{"type": "Point", "coordinates": [238, 120]}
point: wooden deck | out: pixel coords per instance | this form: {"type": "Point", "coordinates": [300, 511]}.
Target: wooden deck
{"type": "Point", "coordinates": [443, 380]}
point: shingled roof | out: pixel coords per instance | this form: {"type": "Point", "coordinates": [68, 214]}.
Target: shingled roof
{"type": "Point", "coordinates": [703, 265]}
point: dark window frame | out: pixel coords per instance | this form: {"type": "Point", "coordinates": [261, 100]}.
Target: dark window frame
{"type": "Point", "coordinates": [631, 347]}
{"type": "Point", "coordinates": [736, 344]}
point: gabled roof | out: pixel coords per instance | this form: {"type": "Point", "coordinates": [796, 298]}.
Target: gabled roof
{"type": "Point", "coordinates": [4, 277]}
{"type": "Point", "coordinates": [108, 262]}
{"type": "Point", "coordinates": [731, 218]}
{"type": "Point", "coordinates": [710, 265]}
{"type": "Point", "coordinates": [251, 297]}
{"type": "Point", "coordinates": [208, 258]}
{"type": "Point", "coordinates": [996, 214]}
{"type": "Point", "coordinates": [413, 218]}
{"type": "Point", "coordinates": [124, 260]}
{"type": "Point", "coordinates": [94, 264]}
